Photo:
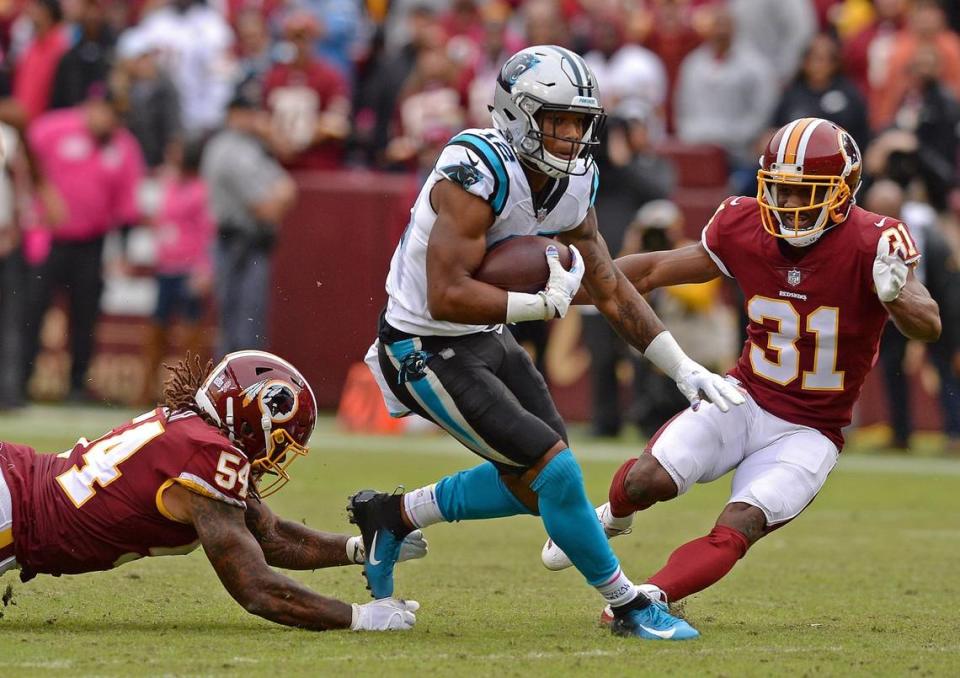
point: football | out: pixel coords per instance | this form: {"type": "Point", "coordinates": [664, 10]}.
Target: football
{"type": "Point", "coordinates": [520, 264]}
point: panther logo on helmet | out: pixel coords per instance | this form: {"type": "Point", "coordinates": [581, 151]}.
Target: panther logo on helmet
{"type": "Point", "coordinates": [536, 82]}
{"type": "Point", "coordinates": [516, 66]}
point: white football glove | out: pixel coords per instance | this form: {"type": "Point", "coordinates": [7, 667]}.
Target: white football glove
{"type": "Point", "coordinates": [693, 379]}
{"type": "Point", "coordinates": [414, 546]}
{"type": "Point", "coordinates": [553, 301]}
{"type": "Point", "coordinates": [386, 614]}
{"type": "Point", "coordinates": [889, 270]}
{"type": "Point", "coordinates": [562, 284]}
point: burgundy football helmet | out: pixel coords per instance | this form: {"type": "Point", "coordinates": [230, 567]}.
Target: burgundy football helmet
{"type": "Point", "coordinates": [814, 153]}
{"type": "Point", "coordinates": [266, 407]}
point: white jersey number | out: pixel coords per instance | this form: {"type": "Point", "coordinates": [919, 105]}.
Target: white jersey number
{"type": "Point", "coordinates": [823, 323]}
{"type": "Point", "coordinates": [101, 460]}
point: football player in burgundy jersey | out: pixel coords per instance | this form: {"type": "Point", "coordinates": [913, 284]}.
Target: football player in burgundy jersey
{"type": "Point", "coordinates": [191, 472]}
{"type": "Point", "coordinates": [819, 276]}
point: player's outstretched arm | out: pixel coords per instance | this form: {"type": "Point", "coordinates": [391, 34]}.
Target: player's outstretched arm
{"type": "Point", "coordinates": [908, 302]}
{"type": "Point", "coordinates": [239, 562]}
{"type": "Point", "coordinates": [914, 312]}
{"type": "Point", "coordinates": [294, 546]}
{"type": "Point", "coordinates": [652, 270]}
{"type": "Point", "coordinates": [635, 321]}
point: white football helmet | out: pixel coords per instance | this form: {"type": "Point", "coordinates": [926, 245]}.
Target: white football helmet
{"type": "Point", "coordinates": [547, 78]}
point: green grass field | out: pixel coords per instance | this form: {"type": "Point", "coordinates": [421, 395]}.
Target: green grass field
{"type": "Point", "coordinates": [867, 582]}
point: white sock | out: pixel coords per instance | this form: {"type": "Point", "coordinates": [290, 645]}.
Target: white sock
{"type": "Point", "coordinates": [421, 507]}
{"type": "Point", "coordinates": [612, 522]}
{"type": "Point", "coordinates": [619, 590]}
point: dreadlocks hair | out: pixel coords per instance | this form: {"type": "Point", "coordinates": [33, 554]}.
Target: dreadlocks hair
{"type": "Point", "coordinates": [182, 384]}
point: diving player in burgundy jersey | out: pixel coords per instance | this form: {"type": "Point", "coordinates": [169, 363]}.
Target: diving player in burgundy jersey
{"type": "Point", "coordinates": [820, 276]}
{"type": "Point", "coordinates": [192, 472]}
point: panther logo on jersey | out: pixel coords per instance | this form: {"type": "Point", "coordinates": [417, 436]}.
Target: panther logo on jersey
{"type": "Point", "coordinates": [464, 173]}
{"type": "Point", "coordinates": [514, 68]}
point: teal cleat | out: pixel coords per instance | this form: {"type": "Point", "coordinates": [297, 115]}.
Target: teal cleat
{"type": "Point", "coordinates": [652, 622]}
{"type": "Point", "coordinates": [368, 511]}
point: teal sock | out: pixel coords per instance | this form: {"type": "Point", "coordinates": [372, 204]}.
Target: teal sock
{"type": "Point", "coordinates": [571, 521]}
{"type": "Point", "coordinates": [476, 494]}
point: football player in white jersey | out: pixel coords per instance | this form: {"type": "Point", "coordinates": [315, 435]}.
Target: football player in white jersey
{"type": "Point", "coordinates": [441, 350]}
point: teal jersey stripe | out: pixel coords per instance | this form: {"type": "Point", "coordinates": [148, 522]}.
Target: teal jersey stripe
{"type": "Point", "coordinates": [494, 162]}
{"type": "Point", "coordinates": [400, 350]}
{"type": "Point", "coordinates": [595, 186]}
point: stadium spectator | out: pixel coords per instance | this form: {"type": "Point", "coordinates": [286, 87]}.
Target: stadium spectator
{"type": "Point", "coordinates": [194, 43]}
{"type": "Point", "coordinates": [867, 53]}
{"type": "Point", "coordinates": [725, 95]}
{"type": "Point", "coordinates": [12, 279]}
{"type": "Point", "coordinates": [820, 90]}
{"type": "Point", "coordinates": [36, 68]}
{"type": "Point", "coordinates": [183, 231]}
{"type": "Point", "coordinates": [152, 104]}
{"type": "Point", "coordinates": [95, 165]}
{"type": "Point", "coordinates": [87, 63]}
{"type": "Point", "coordinates": [545, 24]}
{"type": "Point", "coordinates": [249, 195]}
{"type": "Point", "coordinates": [624, 70]}
{"type": "Point", "coordinates": [926, 28]}
{"type": "Point", "coordinates": [429, 111]}
{"type": "Point", "coordinates": [937, 270]}
{"type": "Point", "coordinates": [497, 43]}
{"type": "Point", "coordinates": [339, 23]}
{"type": "Point", "coordinates": [309, 102]}
{"type": "Point", "coordinates": [254, 51]}
{"type": "Point", "coordinates": [378, 95]}
{"type": "Point", "coordinates": [924, 137]}
{"type": "Point", "coordinates": [779, 31]}
{"type": "Point", "coordinates": [671, 36]}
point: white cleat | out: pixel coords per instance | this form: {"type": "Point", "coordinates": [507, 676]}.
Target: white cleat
{"type": "Point", "coordinates": [555, 559]}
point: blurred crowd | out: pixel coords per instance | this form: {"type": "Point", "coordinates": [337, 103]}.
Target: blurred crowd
{"type": "Point", "coordinates": [194, 116]}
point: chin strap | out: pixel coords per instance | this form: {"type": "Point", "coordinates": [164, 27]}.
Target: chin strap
{"type": "Point", "coordinates": [229, 420]}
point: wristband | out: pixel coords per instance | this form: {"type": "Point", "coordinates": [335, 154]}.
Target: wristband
{"type": "Point", "coordinates": [355, 620]}
{"type": "Point", "coordinates": [522, 307]}
{"type": "Point", "coordinates": [666, 354]}
{"type": "Point", "coordinates": [355, 552]}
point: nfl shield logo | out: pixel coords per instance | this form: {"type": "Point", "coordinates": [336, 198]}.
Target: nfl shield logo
{"type": "Point", "coordinates": [793, 277]}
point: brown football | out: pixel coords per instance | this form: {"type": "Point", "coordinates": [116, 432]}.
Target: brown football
{"type": "Point", "coordinates": [520, 264]}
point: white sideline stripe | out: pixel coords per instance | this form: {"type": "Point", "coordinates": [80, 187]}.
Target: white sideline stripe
{"type": "Point", "coordinates": [46, 421]}
{"type": "Point", "coordinates": [589, 451]}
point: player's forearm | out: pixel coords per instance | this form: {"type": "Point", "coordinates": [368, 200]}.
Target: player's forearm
{"type": "Point", "coordinates": [296, 547]}
{"type": "Point", "coordinates": [284, 601]}
{"type": "Point", "coordinates": [630, 315]}
{"type": "Point", "coordinates": [467, 301]}
{"type": "Point", "coordinates": [915, 314]}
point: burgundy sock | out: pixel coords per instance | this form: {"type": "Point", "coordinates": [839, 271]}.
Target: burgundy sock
{"type": "Point", "coordinates": [700, 563]}
{"type": "Point", "coordinates": [620, 504]}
